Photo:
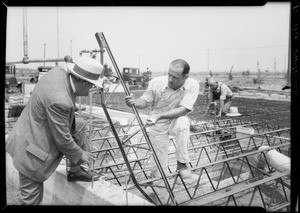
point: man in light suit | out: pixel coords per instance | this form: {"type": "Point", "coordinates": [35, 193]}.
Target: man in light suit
{"type": "Point", "coordinates": [46, 130]}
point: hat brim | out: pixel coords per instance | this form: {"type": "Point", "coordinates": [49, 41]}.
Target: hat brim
{"type": "Point", "coordinates": [70, 69]}
{"type": "Point", "coordinates": [233, 114]}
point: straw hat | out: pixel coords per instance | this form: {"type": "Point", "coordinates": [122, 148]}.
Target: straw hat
{"type": "Point", "coordinates": [87, 69]}
{"type": "Point", "coordinates": [233, 111]}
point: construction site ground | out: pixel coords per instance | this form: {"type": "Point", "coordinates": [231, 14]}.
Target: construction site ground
{"type": "Point", "coordinates": [274, 109]}
{"type": "Point", "coordinates": [270, 110]}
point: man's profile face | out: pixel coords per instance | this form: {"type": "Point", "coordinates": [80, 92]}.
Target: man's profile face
{"type": "Point", "coordinates": [175, 77]}
{"type": "Point", "coordinates": [213, 86]}
{"type": "Point", "coordinates": [84, 88]}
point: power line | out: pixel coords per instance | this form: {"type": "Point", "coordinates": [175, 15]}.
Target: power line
{"type": "Point", "coordinates": [203, 50]}
{"type": "Point", "coordinates": [262, 47]}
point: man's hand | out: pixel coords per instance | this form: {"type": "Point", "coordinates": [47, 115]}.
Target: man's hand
{"type": "Point", "coordinates": [153, 119]}
{"type": "Point", "coordinates": [129, 100]}
{"type": "Point", "coordinates": [206, 112]}
{"type": "Point", "coordinates": [86, 146]}
{"type": "Point", "coordinates": [105, 82]}
{"type": "Point", "coordinates": [87, 157]}
{"type": "Point", "coordinates": [205, 94]}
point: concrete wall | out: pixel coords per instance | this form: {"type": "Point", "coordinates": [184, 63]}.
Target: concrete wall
{"type": "Point", "coordinates": [58, 191]}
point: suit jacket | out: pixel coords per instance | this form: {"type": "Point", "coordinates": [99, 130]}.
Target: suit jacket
{"type": "Point", "coordinates": [43, 132]}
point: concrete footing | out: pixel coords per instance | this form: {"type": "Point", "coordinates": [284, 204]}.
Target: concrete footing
{"type": "Point", "coordinates": [58, 191]}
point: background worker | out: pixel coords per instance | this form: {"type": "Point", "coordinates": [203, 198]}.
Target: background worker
{"type": "Point", "coordinates": [170, 99]}
{"type": "Point", "coordinates": [47, 129]}
{"type": "Point", "coordinates": [68, 59]}
{"type": "Point", "coordinates": [206, 87]}
{"type": "Point", "coordinates": [219, 92]}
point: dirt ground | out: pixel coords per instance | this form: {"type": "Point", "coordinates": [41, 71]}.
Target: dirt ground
{"type": "Point", "coordinates": [257, 110]}
{"type": "Point", "coordinates": [275, 112]}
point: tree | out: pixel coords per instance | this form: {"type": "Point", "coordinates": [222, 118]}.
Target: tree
{"type": "Point", "coordinates": [258, 79]}
{"type": "Point", "coordinates": [247, 73]}
{"type": "Point", "coordinates": [146, 77]}
{"type": "Point", "coordinates": [107, 71]}
{"type": "Point", "coordinates": [230, 74]}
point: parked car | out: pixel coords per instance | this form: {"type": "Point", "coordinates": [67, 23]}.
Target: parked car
{"type": "Point", "coordinates": [43, 70]}
{"type": "Point", "coordinates": [132, 75]}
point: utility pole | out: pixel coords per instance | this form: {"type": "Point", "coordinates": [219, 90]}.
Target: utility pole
{"type": "Point", "coordinates": [71, 47]}
{"type": "Point", "coordinates": [57, 34]}
{"type": "Point", "coordinates": [139, 61]}
{"type": "Point", "coordinates": [288, 74]}
{"type": "Point", "coordinates": [284, 63]}
{"type": "Point", "coordinates": [44, 52]}
{"type": "Point", "coordinates": [207, 60]}
{"type": "Point", "coordinates": [274, 64]}
{"type": "Point", "coordinates": [25, 38]}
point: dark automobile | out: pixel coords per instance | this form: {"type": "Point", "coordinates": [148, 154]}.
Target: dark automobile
{"type": "Point", "coordinates": [132, 75]}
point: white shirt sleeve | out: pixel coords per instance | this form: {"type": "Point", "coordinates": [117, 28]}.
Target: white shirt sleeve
{"type": "Point", "coordinates": [224, 91]}
{"type": "Point", "coordinates": [148, 95]}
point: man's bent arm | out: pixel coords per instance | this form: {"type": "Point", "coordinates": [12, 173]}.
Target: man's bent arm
{"type": "Point", "coordinates": [209, 99]}
{"type": "Point", "coordinates": [174, 113]}
{"type": "Point", "coordinates": [140, 103]}
{"type": "Point", "coordinates": [221, 106]}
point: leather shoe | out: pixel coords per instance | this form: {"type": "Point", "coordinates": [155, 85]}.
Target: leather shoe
{"type": "Point", "coordinates": [81, 175]}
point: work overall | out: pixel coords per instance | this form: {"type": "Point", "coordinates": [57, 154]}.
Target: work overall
{"type": "Point", "coordinates": [227, 102]}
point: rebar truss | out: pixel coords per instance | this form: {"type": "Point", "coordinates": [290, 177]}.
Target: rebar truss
{"type": "Point", "coordinates": [222, 159]}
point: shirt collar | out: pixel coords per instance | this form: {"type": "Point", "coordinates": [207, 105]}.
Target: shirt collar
{"type": "Point", "coordinates": [219, 85]}
{"type": "Point", "coordinates": [72, 84]}
{"type": "Point", "coordinates": [180, 88]}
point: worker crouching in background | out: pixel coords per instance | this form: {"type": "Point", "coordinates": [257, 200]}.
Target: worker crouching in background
{"type": "Point", "coordinates": [47, 129]}
{"type": "Point", "coordinates": [219, 92]}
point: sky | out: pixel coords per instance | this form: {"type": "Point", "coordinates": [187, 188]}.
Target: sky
{"type": "Point", "coordinates": [208, 38]}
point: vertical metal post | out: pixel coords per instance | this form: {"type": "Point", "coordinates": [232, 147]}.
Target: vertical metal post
{"type": "Point", "coordinates": [102, 50]}
{"type": "Point", "coordinates": [71, 47]}
{"type": "Point", "coordinates": [126, 188]}
{"type": "Point", "coordinates": [289, 52]}
{"type": "Point", "coordinates": [93, 174]}
{"type": "Point", "coordinates": [90, 122]}
{"type": "Point", "coordinates": [215, 115]}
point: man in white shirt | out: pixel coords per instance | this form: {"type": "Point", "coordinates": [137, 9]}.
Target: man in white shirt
{"type": "Point", "coordinates": [170, 99]}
